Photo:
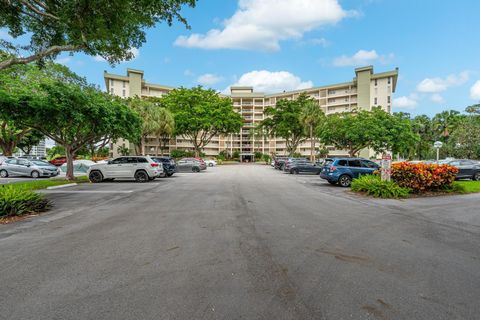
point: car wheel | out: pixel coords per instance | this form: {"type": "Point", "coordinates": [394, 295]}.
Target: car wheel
{"type": "Point", "coordinates": [296, 171]}
{"type": "Point", "coordinates": [210, 164]}
{"type": "Point", "coordinates": [476, 176]}
{"type": "Point", "coordinates": [332, 182]}
{"type": "Point", "coordinates": [35, 174]}
{"type": "Point", "coordinates": [345, 181]}
{"type": "Point", "coordinates": [169, 174]}
{"type": "Point", "coordinates": [95, 177]}
{"type": "Point", "coordinates": [141, 176]}
{"type": "Point", "coordinates": [291, 171]}
{"type": "Point", "coordinates": [3, 173]}
{"type": "Point", "coordinates": [195, 169]}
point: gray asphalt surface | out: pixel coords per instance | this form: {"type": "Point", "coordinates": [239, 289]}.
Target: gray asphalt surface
{"type": "Point", "coordinates": [241, 242]}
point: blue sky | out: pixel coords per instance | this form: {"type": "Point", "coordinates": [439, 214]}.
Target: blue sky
{"type": "Point", "coordinates": [290, 44]}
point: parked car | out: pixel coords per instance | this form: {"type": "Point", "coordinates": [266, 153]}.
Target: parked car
{"type": "Point", "coordinates": [344, 170]}
{"type": "Point", "coordinates": [202, 164]}
{"type": "Point", "coordinates": [27, 168]}
{"type": "Point", "coordinates": [189, 165]}
{"type": "Point", "coordinates": [304, 167]}
{"type": "Point", "coordinates": [142, 168]}
{"type": "Point", "coordinates": [169, 165]}
{"type": "Point", "coordinates": [211, 163]}
{"type": "Point", "coordinates": [467, 169]}
{"type": "Point", "coordinates": [279, 162]}
{"type": "Point", "coordinates": [290, 161]}
{"type": "Point", "coordinates": [58, 161]}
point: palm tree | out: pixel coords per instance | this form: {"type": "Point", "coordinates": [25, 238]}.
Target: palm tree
{"type": "Point", "coordinates": [445, 122]}
{"type": "Point", "coordinates": [157, 121]}
{"type": "Point", "coordinates": [166, 127]}
{"type": "Point", "coordinates": [312, 116]}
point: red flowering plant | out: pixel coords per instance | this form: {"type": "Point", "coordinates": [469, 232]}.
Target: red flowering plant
{"type": "Point", "coordinates": [421, 177]}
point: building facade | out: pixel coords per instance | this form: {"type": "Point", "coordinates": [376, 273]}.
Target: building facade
{"type": "Point", "coordinates": [37, 151]}
{"type": "Point", "coordinates": [365, 90]}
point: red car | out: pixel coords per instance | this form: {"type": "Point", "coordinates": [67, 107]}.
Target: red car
{"type": "Point", "coordinates": [58, 161]}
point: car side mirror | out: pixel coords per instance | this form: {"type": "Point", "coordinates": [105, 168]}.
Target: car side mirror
{"type": "Point", "coordinates": [109, 162]}
{"type": "Point", "coordinates": [28, 165]}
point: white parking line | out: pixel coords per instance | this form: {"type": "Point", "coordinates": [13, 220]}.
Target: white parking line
{"type": "Point", "coordinates": [85, 191]}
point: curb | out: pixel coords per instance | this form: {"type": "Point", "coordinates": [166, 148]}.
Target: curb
{"type": "Point", "coordinates": [62, 186]}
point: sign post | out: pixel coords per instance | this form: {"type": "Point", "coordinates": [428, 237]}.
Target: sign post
{"type": "Point", "coordinates": [386, 170]}
{"type": "Point", "coordinates": [437, 145]}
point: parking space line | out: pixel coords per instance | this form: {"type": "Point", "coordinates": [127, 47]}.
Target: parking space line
{"type": "Point", "coordinates": [86, 191]}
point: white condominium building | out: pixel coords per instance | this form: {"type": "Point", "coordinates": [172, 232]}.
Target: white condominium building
{"type": "Point", "coordinates": [365, 90]}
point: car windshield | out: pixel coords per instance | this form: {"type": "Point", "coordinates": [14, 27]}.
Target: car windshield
{"type": "Point", "coordinates": [328, 162]}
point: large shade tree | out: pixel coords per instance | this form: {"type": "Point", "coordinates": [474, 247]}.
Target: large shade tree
{"type": "Point", "coordinates": [375, 129]}
{"type": "Point", "coordinates": [201, 114]}
{"type": "Point", "coordinates": [71, 115]}
{"type": "Point", "coordinates": [285, 121]}
{"type": "Point", "coordinates": [108, 28]}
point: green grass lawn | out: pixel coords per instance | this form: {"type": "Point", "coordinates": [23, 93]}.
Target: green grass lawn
{"type": "Point", "coordinates": [42, 184]}
{"type": "Point", "coordinates": [467, 186]}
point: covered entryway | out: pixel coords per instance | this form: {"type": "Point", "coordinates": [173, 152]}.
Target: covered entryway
{"type": "Point", "coordinates": [247, 157]}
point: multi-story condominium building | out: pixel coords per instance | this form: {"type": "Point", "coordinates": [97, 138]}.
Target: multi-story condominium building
{"type": "Point", "coordinates": [365, 90]}
{"type": "Point", "coordinates": [37, 151]}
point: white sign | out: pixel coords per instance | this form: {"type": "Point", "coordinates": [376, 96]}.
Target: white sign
{"type": "Point", "coordinates": [438, 144]}
{"type": "Point", "coordinates": [386, 170]}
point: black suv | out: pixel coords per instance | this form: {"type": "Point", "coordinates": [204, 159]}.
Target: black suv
{"type": "Point", "coordinates": [169, 165]}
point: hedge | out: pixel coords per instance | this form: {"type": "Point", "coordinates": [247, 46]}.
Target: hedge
{"type": "Point", "coordinates": [421, 177]}
{"type": "Point", "coordinates": [374, 186]}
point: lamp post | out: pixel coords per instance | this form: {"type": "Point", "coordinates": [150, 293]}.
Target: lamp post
{"type": "Point", "coordinates": [437, 145]}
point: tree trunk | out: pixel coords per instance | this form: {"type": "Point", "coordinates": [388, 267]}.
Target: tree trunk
{"type": "Point", "coordinates": [142, 146]}
{"type": "Point", "coordinates": [70, 156]}
{"type": "Point", "coordinates": [312, 145]}
{"type": "Point", "coordinates": [8, 148]}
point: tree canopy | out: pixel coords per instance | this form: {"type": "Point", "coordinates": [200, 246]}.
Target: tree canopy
{"type": "Point", "coordinates": [200, 114]}
{"type": "Point", "coordinates": [376, 129]}
{"type": "Point", "coordinates": [285, 120]}
{"type": "Point", "coordinates": [108, 28]}
{"type": "Point", "coordinates": [71, 115]}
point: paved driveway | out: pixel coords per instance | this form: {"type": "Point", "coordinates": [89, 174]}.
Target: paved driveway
{"type": "Point", "coordinates": [241, 242]}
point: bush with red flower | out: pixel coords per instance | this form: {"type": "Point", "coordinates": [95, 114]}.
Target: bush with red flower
{"type": "Point", "coordinates": [422, 177]}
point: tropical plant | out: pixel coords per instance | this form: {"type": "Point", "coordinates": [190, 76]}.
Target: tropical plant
{"type": "Point", "coordinates": [109, 29]}
{"type": "Point", "coordinates": [156, 121]}
{"type": "Point", "coordinates": [421, 177]}
{"type": "Point", "coordinates": [124, 151]}
{"type": "Point", "coordinates": [445, 123]}
{"type": "Point", "coordinates": [312, 117]}
{"type": "Point", "coordinates": [201, 114]}
{"type": "Point", "coordinates": [18, 201]}
{"type": "Point", "coordinates": [374, 186]}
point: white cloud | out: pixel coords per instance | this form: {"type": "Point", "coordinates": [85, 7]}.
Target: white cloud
{"type": "Point", "coordinates": [405, 102]}
{"type": "Point", "coordinates": [209, 79]}
{"type": "Point", "coordinates": [188, 73]}
{"type": "Point", "coordinates": [435, 85]}
{"type": "Point", "coordinates": [134, 51]}
{"type": "Point", "coordinates": [319, 42]}
{"type": "Point", "coordinates": [437, 98]}
{"type": "Point", "coordinates": [268, 81]}
{"type": "Point", "coordinates": [262, 24]}
{"type": "Point", "coordinates": [362, 57]}
{"type": "Point", "coordinates": [475, 91]}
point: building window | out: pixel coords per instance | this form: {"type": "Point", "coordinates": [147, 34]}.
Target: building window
{"type": "Point", "coordinates": [375, 101]}
{"type": "Point", "coordinates": [389, 80]}
{"type": "Point", "coordinates": [376, 90]}
{"type": "Point", "coordinates": [123, 92]}
{"type": "Point", "coordinates": [111, 82]}
{"type": "Point", "coordinates": [124, 83]}
{"type": "Point", "coordinates": [389, 109]}
{"type": "Point", "coordinates": [376, 83]}
{"type": "Point", "coordinates": [111, 90]}
{"type": "Point", "coordinates": [388, 99]}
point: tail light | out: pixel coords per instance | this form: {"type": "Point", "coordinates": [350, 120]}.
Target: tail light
{"type": "Point", "coordinates": [154, 164]}
{"type": "Point", "coordinates": [333, 168]}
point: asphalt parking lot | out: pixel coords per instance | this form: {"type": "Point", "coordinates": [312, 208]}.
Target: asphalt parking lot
{"type": "Point", "coordinates": [241, 242]}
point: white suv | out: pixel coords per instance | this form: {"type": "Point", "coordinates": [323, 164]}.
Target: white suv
{"type": "Point", "coordinates": [142, 168]}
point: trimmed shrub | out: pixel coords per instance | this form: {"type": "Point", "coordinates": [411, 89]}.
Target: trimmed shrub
{"type": "Point", "coordinates": [258, 156]}
{"type": "Point", "coordinates": [266, 157]}
{"type": "Point", "coordinates": [374, 186]}
{"type": "Point", "coordinates": [421, 177]}
{"type": "Point", "coordinates": [19, 201]}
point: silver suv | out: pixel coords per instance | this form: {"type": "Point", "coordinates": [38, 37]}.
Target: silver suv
{"type": "Point", "coordinates": [141, 168]}
{"type": "Point", "coordinates": [27, 168]}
